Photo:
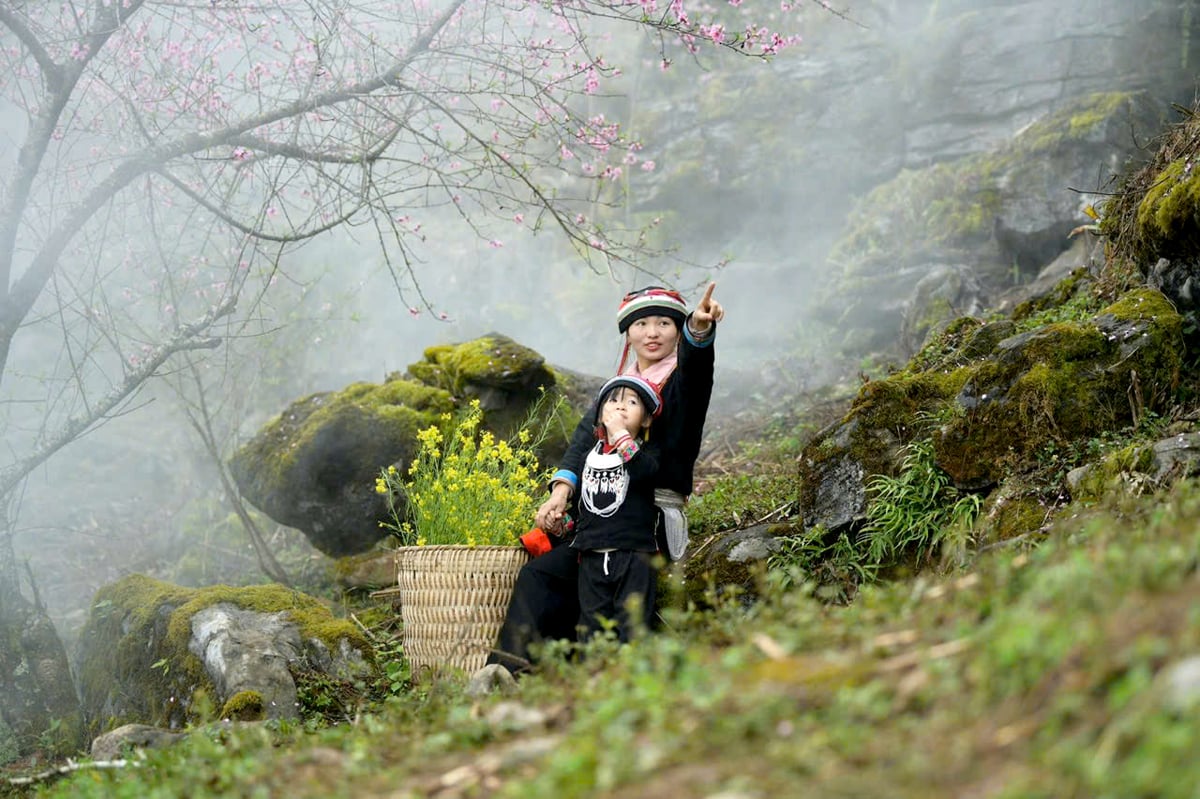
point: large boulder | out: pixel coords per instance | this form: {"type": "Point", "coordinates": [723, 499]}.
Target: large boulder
{"type": "Point", "coordinates": [1055, 384]}
{"type": "Point", "coordinates": [947, 240]}
{"type": "Point", "coordinates": [991, 396]}
{"type": "Point", "coordinates": [148, 647]}
{"type": "Point", "coordinates": [313, 467]}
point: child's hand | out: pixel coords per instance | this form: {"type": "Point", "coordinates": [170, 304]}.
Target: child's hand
{"type": "Point", "coordinates": [614, 424]}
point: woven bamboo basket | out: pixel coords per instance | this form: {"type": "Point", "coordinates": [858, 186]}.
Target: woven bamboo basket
{"type": "Point", "coordinates": [453, 600]}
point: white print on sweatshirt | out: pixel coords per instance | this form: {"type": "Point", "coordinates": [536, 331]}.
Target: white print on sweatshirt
{"type": "Point", "coordinates": [605, 482]}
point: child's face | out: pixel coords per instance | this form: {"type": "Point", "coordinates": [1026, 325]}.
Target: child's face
{"type": "Point", "coordinates": [629, 406]}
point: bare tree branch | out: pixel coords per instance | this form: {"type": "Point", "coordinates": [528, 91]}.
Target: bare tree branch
{"type": "Point", "coordinates": [253, 232]}
{"type": "Point", "coordinates": [19, 300]}
{"type": "Point", "coordinates": [202, 422]}
{"type": "Point", "coordinates": [60, 83]}
{"type": "Point", "coordinates": [192, 336]}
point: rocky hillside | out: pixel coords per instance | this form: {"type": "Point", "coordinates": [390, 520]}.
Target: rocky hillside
{"type": "Point", "coordinates": [905, 92]}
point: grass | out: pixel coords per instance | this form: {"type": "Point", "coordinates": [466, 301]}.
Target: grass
{"type": "Point", "coordinates": [741, 500]}
{"type": "Point", "coordinates": [1039, 673]}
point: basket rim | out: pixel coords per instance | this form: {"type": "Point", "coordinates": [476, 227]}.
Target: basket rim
{"type": "Point", "coordinates": [460, 546]}
{"type": "Point", "coordinates": [428, 547]}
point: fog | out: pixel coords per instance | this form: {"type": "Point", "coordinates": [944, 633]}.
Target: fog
{"type": "Point", "coordinates": [756, 164]}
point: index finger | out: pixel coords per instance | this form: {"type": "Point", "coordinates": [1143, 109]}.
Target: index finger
{"type": "Point", "coordinates": [708, 293]}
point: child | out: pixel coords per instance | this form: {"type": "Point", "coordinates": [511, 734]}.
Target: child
{"type": "Point", "coordinates": [615, 532]}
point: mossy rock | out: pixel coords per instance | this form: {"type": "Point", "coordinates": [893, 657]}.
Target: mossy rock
{"type": "Point", "coordinates": [954, 205]}
{"type": "Point", "coordinates": [481, 367]}
{"type": "Point", "coordinates": [1168, 218]}
{"type": "Point", "coordinates": [1121, 471]}
{"type": "Point", "coordinates": [729, 563]}
{"type": "Point", "coordinates": [367, 570]}
{"type": "Point", "coordinates": [244, 706]}
{"type": "Point", "coordinates": [1075, 288]}
{"type": "Point", "coordinates": [313, 467]}
{"type": "Point", "coordinates": [943, 294]}
{"type": "Point", "coordinates": [1006, 213]}
{"type": "Point", "coordinates": [835, 467]}
{"type": "Point", "coordinates": [945, 346]}
{"type": "Point", "coordinates": [1137, 468]}
{"type": "Point", "coordinates": [1017, 509]}
{"type": "Point", "coordinates": [1057, 384]}
{"type": "Point", "coordinates": [508, 379]}
{"type": "Point", "coordinates": [135, 661]}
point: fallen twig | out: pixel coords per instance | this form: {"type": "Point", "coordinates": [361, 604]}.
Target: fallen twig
{"type": "Point", "coordinates": [69, 767]}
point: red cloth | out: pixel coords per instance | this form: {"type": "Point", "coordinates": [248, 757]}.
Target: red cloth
{"type": "Point", "coordinates": [536, 542]}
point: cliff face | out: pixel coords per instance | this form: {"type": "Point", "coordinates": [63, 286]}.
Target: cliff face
{"type": "Point", "coordinates": [918, 83]}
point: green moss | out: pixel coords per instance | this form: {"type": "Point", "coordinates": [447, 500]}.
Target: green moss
{"type": "Point", "coordinates": [1144, 304]}
{"type": "Point", "coordinates": [1054, 384]}
{"type": "Point", "coordinates": [885, 413]}
{"type": "Point", "coordinates": [1013, 510]}
{"type": "Point", "coordinates": [403, 408]}
{"type": "Point", "coordinates": [309, 614]}
{"type": "Point", "coordinates": [1079, 120]}
{"type": "Point", "coordinates": [495, 361]}
{"type": "Point", "coordinates": [1070, 300]}
{"type": "Point", "coordinates": [1059, 398]}
{"type": "Point", "coordinates": [943, 205]}
{"type": "Point", "coordinates": [382, 419]}
{"type": "Point", "coordinates": [244, 706]}
{"type": "Point", "coordinates": [1168, 218]}
{"type": "Point", "coordinates": [1153, 213]}
{"type": "Point", "coordinates": [1116, 472]}
{"type": "Point", "coordinates": [898, 401]}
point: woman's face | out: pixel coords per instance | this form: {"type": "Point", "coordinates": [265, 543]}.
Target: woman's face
{"type": "Point", "coordinates": [652, 338]}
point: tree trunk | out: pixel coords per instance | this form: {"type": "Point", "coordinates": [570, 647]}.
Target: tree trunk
{"type": "Point", "coordinates": [39, 710]}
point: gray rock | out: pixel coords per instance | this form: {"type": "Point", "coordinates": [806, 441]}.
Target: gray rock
{"type": "Point", "coordinates": [1177, 456]}
{"type": "Point", "coordinates": [113, 745]}
{"type": "Point", "coordinates": [1181, 682]}
{"type": "Point", "coordinates": [731, 557]}
{"type": "Point", "coordinates": [835, 468]}
{"type": "Point", "coordinates": [492, 678]}
{"type": "Point", "coordinates": [243, 650]}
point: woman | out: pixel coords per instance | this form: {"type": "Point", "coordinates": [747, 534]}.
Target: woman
{"type": "Point", "coordinates": [674, 351]}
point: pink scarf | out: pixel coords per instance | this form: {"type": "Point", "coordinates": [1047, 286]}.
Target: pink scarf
{"type": "Point", "coordinates": [657, 373]}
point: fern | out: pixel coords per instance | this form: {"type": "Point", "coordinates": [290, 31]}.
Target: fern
{"type": "Point", "coordinates": [913, 512]}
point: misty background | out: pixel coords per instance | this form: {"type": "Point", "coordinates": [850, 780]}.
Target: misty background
{"type": "Point", "coordinates": [757, 164]}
